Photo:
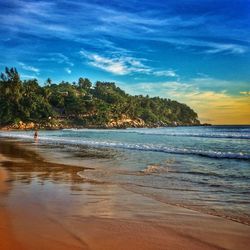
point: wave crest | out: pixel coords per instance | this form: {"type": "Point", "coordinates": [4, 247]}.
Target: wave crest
{"type": "Point", "coordinates": [136, 146]}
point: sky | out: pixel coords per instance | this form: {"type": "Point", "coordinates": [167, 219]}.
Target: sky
{"type": "Point", "coordinates": [195, 52]}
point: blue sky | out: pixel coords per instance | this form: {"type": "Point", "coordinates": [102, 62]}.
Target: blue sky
{"type": "Point", "coordinates": [197, 52]}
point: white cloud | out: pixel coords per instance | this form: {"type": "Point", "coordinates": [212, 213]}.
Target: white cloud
{"type": "Point", "coordinates": [68, 70]}
{"type": "Point", "coordinates": [40, 8]}
{"type": "Point", "coordinates": [168, 73]}
{"type": "Point", "coordinates": [122, 65]}
{"type": "Point", "coordinates": [226, 48]}
{"type": "Point", "coordinates": [24, 76]}
{"type": "Point", "coordinates": [58, 58]}
{"type": "Point", "coordinates": [29, 68]}
{"type": "Point", "coordinates": [119, 65]}
{"type": "Point", "coordinates": [44, 19]}
{"type": "Point", "coordinates": [114, 66]}
{"type": "Point", "coordinates": [203, 46]}
{"type": "Point", "coordinates": [245, 92]}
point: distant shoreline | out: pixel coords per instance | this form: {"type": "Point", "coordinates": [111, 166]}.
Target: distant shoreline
{"type": "Point", "coordinates": [14, 128]}
{"type": "Point", "coordinates": [11, 128]}
{"type": "Point", "coordinates": [35, 126]}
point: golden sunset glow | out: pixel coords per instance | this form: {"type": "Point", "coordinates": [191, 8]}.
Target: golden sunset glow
{"type": "Point", "coordinates": [220, 108]}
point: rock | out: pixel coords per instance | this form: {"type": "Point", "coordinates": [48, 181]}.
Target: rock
{"type": "Point", "coordinates": [30, 125]}
{"type": "Point", "coordinates": [125, 122]}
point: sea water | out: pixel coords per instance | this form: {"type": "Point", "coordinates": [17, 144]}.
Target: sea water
{"type": "Point", "coordinates": [200, 168]}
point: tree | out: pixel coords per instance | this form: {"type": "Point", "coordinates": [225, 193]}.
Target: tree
{"type": "Point", "coordinates": [10, 95]}
{"type": "Point", "coordinates": [28, 101]}
{"type": "Point", "coordinates": [84, 83]}
{"type": "Point", "coordinates": [48, 82]}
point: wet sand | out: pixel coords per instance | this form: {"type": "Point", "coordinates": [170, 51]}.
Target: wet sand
{"type": "Point", "coordinates": [7, 240]}
{"type": "Point", "coordinates": [46, 205]}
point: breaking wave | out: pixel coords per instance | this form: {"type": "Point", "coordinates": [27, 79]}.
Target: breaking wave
{"type": "Point", "coordinates": [165, 132]}
{"type": "Point", "coordinates": [133, 146]}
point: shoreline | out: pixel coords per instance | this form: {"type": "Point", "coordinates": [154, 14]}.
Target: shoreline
{"type": "Point", "coordinates": [71, 158]}
{"type": "Point", "coordinates": [77, 212]}
{"type": "Point", "coordinates": [27, 127]}
{"type": "Point", "coordinates": [10, 129]}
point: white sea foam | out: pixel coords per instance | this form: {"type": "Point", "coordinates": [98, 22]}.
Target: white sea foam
{"type": "Point", "coordinates": [131, 146]}
{"type": "Point", "coordinates": [169, 132]}
{"type": "Point", "coordinates": [154, 169]}
{"type": "Point", "coordinates": [222, 181]}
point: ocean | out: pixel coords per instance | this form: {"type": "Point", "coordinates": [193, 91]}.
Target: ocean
{"type": "Point", "coordinates": [206, 169]}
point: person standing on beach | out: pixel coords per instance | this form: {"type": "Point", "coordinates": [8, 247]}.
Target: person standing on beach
{"type": "Point", "coordinates": [36, 135]}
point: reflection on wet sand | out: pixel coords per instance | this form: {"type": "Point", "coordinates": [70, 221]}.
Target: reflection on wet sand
{"type": "Point", "coordinates": [24, 165]}
{"type": "Point", "coordinates": [4, 179]}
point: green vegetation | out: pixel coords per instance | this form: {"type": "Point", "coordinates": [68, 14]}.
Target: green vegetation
{"type": "Point", "coordinates": [81, 104]}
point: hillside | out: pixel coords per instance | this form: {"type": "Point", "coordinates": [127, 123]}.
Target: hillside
{"type": "Point", "coordinates": [25, 104]}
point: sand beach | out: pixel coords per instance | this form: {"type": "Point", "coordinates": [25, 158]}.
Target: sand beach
{"type": "Point", "coordinates": [46, 205]}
